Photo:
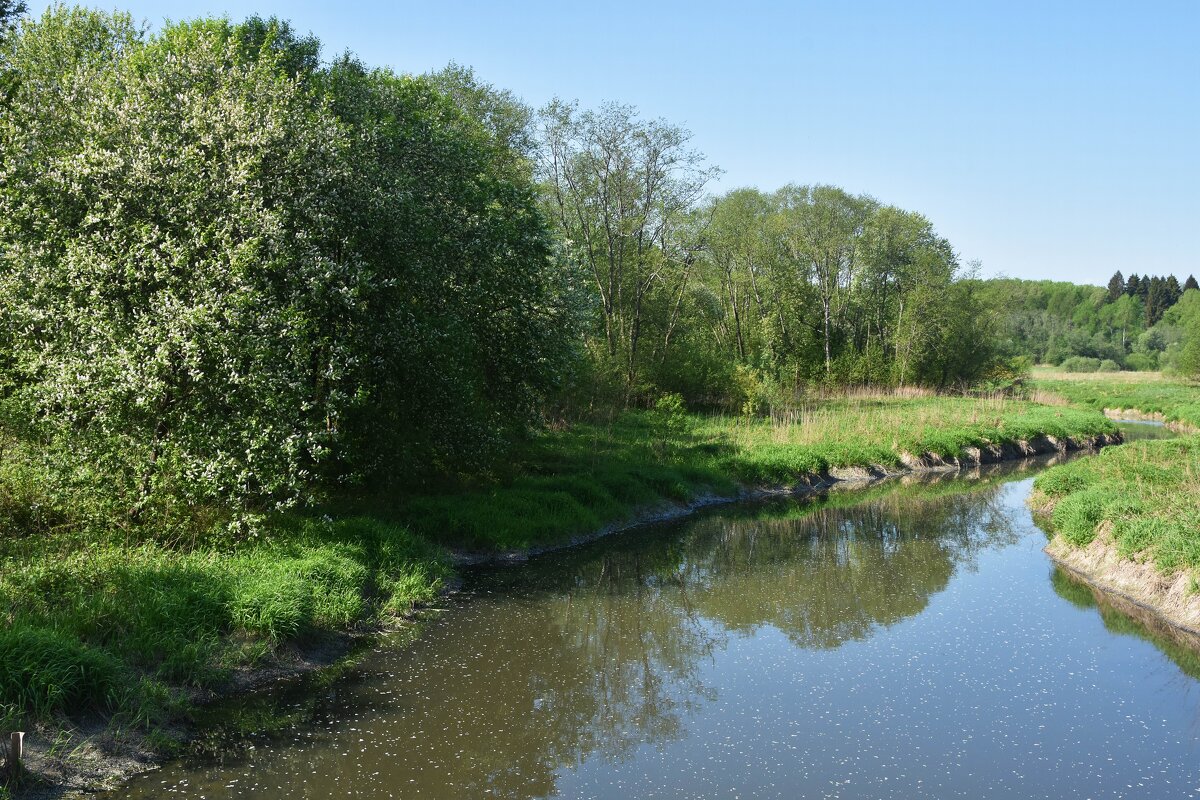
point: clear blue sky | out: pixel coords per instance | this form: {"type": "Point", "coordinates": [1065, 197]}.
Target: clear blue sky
{"type": "Point", "coordinates": [1046, 139]}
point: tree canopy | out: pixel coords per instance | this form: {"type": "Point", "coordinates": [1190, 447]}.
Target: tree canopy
{"type": "Point", "coordinates": [239, 274]}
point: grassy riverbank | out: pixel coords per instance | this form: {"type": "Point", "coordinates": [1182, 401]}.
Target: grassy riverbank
{"type": "Point", "coordinates": [1129, 519]}
{"type": "Point", "coordinates": [102, 617]}
{"type": "Point", "coordinates": [1129, 522]}
{"type": "Point", "coordinates": [1146, 495]}
{"type": "Point", "coordinates": [1150, 393]}
{"type": "Point", "coordinates": [571, 482]}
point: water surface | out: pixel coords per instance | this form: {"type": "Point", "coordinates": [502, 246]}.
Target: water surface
{"type": "Point", "coordinates": [909, 641]}
{"type": "Point", "coordinates": [1134, 429]}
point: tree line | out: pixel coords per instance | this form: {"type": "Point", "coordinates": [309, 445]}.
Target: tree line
{"type": "Point", "coordinates": [1157, 294]}
{"type": "Point", "coordinates": [1135, 323]}
{"type": "Point", "coordinates": [232, 271]}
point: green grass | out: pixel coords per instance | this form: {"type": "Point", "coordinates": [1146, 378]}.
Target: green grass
{"type": "Point", "coordinates": [107, 626]}
{"type": "Point", "coordinates": [1147, 492]}
{"type": "Point", "coordinates": [102, 614]}
{"type": "Point", "coordinates": [571, 482]}
{"type": "Point", "coordinates": [1152, 393]}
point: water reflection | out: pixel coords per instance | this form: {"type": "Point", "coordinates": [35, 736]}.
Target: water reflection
{"type": "Point", "coordinates": [1142, 429]}
{"type": "Point", "coordinates": [822, 574]}
{"type": "Point", "coordinates": [902, 641]}
{"type": "Point", "coordinates": [1128, 618]}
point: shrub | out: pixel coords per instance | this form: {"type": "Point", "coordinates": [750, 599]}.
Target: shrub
{"type": "Point", "coordinates": [1080, 364]}
{"type": "Point", "coordinates": [264, 298]}
{"type": "Point", "coordinates": [1142, 362]}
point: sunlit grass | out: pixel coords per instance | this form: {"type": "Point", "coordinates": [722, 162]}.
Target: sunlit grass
{"type": "Point", "coordinates": [899, 421]}
{"type": "Point", "coordinates": [1147, 492]}
{"type": "Point", "coordinates": [571, 482]}
{"type": "Point", "coordinates": [1148, 392]}
{"type": "Point", "coordinates": [1045, 373]}
{"type": "Point", "coordinates": [108, 626]}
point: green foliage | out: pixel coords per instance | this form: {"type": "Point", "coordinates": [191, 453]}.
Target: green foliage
{"type": "Point", "coordinates": [1146, 492]}
{"type": "Point", "coordinates": [255, 318]}
{"type": "Point", "coordinates": [1080, 364]}
{"type": "Point", "coordinates": [44, 670]}
{"type": "Point", "coordinates": [811, 286]}
{"type": "Point", "coordinates": [1142, 362]}
{"type": "Point", "coordinates": [1135, 323]}
{"type": "Point", "coordinates": [620, 191]}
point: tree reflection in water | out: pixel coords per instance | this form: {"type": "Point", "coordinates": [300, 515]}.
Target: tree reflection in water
{"type": "Point", "coordinates": [606, 650]}
{"type": "Point", "coordinates": [614, 640]}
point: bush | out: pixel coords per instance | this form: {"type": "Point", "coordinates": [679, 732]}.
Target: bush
{"type": "Point", "coordinates": [671, 412]}
{"type": "Point", "coordinates": [1108, 365]}
{"type": "Point", "coordinates": [266, 294]}
{"type": "Point", "coordinates": [1080, 364]}
{"type": "Point", "coordinates": [1142, 362]}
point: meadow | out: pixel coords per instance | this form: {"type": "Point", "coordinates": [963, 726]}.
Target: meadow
{"type": "Point", "coordinates": [1177, 400]}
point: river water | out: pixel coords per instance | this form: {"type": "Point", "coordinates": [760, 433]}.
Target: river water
{"type": "Point", "coordinates": [907, 640]}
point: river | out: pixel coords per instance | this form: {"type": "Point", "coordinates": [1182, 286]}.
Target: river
{"type": "Point", "coordinates": [907, 640]}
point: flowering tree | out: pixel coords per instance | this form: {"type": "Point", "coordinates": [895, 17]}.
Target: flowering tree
{"type": "Point", "coordinates": [230, 274]}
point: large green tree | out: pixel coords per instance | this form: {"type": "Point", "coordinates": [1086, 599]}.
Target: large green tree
{"type": "Point", "coordinates": [231, 274]}
{"type": "Point", "coordinates": [822, 232]}
{"type": "Point", "coordinates": [816, 284]}
{"type": "Point", "coordinates": [1116, 286]}
{"type": "Point", "coordinates": [621, 189]}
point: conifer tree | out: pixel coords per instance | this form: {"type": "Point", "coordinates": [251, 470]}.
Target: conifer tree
{"type": "Point", "coordinates": [1116, 287]}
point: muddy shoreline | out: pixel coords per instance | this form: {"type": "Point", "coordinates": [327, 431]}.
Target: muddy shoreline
{"type": "Point", "coordinates": [1169, 601]}
{"type": "Point", "coordinates": [1171, 597]}
{"type": "Point", "coordinates": [77, 758]}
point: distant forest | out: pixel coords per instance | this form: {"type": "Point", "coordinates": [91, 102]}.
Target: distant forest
{"type": "Point", "coordinates": [1136, 323]}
